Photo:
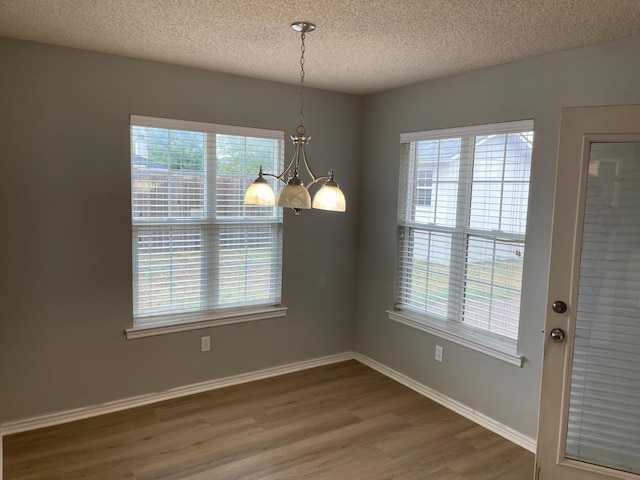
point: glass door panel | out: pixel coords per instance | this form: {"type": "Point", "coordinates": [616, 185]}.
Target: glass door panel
{"type": "Point", "coordinates": [604, 402]}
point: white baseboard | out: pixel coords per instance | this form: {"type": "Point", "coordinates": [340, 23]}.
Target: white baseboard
{"type": "Point", "coordinates": [57, 418]}
{"type": "Point", "coordinates": [489, 423]}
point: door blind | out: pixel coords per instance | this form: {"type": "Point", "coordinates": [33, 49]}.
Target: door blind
{"type": "Point", "coordinates": [604, 411]}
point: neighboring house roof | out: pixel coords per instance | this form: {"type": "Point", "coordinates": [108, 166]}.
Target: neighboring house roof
{"type": "Point", "coordinates": [142, 162]}
{"type": "Point", "coordinates": [451, 144]}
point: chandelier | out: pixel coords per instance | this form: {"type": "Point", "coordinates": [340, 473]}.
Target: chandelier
{"type": "Point", "coordinates": [295, 194]}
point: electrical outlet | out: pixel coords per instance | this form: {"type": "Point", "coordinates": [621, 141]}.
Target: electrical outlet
{"type": "Point", "coordinates": [438, 353]}
{"type": "Point", "coordinates": [205, 344]}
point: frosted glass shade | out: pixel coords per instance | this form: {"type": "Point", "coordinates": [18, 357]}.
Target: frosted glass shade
{"type": "Point", "coordinates": [260, 193]}
{"type": "Point", "coordinates": [330, 197]}
{"type": "Point", "coordinates": [294, 196]}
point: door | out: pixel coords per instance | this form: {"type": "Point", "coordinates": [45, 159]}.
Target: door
{"type": "Point", "coordinates": [590, 404]}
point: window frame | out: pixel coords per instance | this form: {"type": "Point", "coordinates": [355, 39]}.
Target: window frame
{"type": "Point", "coordinates": [209, 314]}
{"type": "Point", "coordinates": [450, 327]}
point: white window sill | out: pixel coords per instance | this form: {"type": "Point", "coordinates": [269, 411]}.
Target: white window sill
{"type": "Point", "coordinates": [467, 337]}
{"type": "Point", "coordinates": [185, 322]}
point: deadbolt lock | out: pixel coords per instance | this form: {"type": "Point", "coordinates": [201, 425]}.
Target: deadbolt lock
{"type": "Point", "coordinates": [559, 306]}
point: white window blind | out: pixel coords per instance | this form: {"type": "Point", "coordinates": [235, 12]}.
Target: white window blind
{"type": "Point", "coordinates": [196, 247]}
{"type": "Point", "coordinates": [604, 405]}
{"type": "Point", "coordinates": [462, 220]}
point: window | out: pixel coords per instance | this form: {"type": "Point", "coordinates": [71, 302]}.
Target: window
{"type": "Point", "coordinates": [423, 186]}
{"type": "Point", "coordinates": [199, 253]}
{"type": "Point", "coordinates": [462, 219]}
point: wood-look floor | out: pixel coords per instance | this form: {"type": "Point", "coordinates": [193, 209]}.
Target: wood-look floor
{"type": "Point", "coordinates": [343, 421]}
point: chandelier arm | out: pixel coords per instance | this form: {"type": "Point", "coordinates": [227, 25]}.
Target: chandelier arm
{"type": "Point", "coordinates": [287, 169]}
{"type": "Point", "coordinates": [314, 178]}
{"type": "Point", "coordinates": [277, 177]}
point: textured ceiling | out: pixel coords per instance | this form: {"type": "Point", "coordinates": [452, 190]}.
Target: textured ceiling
{"type": "Point", "coordinates": [360, 46]}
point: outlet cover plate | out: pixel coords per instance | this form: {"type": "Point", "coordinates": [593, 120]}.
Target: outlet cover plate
{"type": "Point", "coordinates": [438, 353]}
{"type": "Point", "coordinates": [205, 343]}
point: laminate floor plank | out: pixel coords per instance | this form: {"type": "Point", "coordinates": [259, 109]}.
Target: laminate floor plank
{"type": "Point", "coordinates": [341, 421]}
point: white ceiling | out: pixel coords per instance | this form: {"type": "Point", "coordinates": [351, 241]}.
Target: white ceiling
{"type": "Point", "coordinates": [360, 46]}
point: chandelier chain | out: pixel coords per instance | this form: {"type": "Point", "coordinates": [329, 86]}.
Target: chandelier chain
{"type": "Point", "coordinates": [302, 50]}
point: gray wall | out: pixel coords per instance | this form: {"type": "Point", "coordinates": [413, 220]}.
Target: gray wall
{"type": "Point", "coordinates": [538, 88]}
{"type": "Point", "coordinates": [65, 236]}
{"type": "Point", "coordinates": [65, 275]}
